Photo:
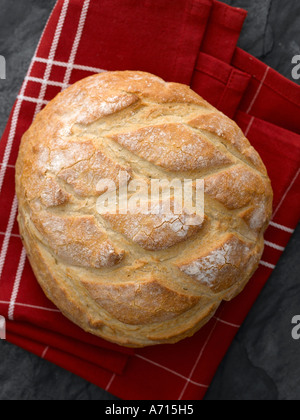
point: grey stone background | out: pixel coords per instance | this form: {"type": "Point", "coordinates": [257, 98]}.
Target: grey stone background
{"type": "Point", "coordinates": [263, 362]}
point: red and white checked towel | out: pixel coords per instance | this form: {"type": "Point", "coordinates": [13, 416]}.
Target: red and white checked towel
{"type": "Point", "coordinates": [188, 41]}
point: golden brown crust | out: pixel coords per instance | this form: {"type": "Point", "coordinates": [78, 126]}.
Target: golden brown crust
{"type": "Point", "coordinates": [174, 147]}
{"type": "Point", "coordinates": [129, 302]}
{"type": "Point", "coordinates": [139, 279]}
{"type": "Point", "coordinates": [228, 132]}
{"type": "Point", "coordinates": [156, 232]}
{"type": "Point", "coordinates": [222, 263]}
{"type": "Point", "coordinates": [84, 176]}
{"type": "Point", "coordinates": [77, 240]}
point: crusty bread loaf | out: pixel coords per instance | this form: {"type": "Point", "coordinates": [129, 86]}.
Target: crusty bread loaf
{"type": "Point", "coordinates": [139, 279]}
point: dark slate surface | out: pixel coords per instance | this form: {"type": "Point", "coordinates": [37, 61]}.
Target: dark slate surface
{"type": "Point", "coordinates": [263, 362]}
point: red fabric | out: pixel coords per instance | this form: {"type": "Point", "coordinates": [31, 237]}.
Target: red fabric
{"type": "Point", "coordinates": [223, 31]}
{"type": "Point", "coordinates": [278, 99]}
{"type": "Point", "coordinates": [188, 41]}
{"type": "Point", "coordinates": [220, 83]}
{"type": "Point", "coordinates": [100, 357]}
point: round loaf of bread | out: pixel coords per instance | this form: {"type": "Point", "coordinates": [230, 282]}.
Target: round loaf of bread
{"type": "Point", "coordinates": [139, 278]}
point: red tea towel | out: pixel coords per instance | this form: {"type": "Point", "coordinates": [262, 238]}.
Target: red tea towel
{"type": "Point", "coordinates": [223, 31]}
{"type": "Point", "coordinates": [270, 96]}
{"type": "Point", "coordinates": [49, 341]}
{"type": "Point", "coordinates": [188, 41]}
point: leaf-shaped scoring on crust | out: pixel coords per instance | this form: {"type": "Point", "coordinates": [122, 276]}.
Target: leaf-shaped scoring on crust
{"type": "Point", "coordinates": [228, 131]}
{"type": "Point", "coordinates": [221, 265]}
{"type": "Point", "coordinates": [78, 240]}
{"type": "Point", "coordinates": [142, 302]}
{"type": "Point", "coordinates": [173, 147]}
{"type": "Point", "coordinates": [159, 231]}
{"type": "Point", "coordinates": [86, 175]}
{"type": "Point", "coordinates": [241, 186]}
